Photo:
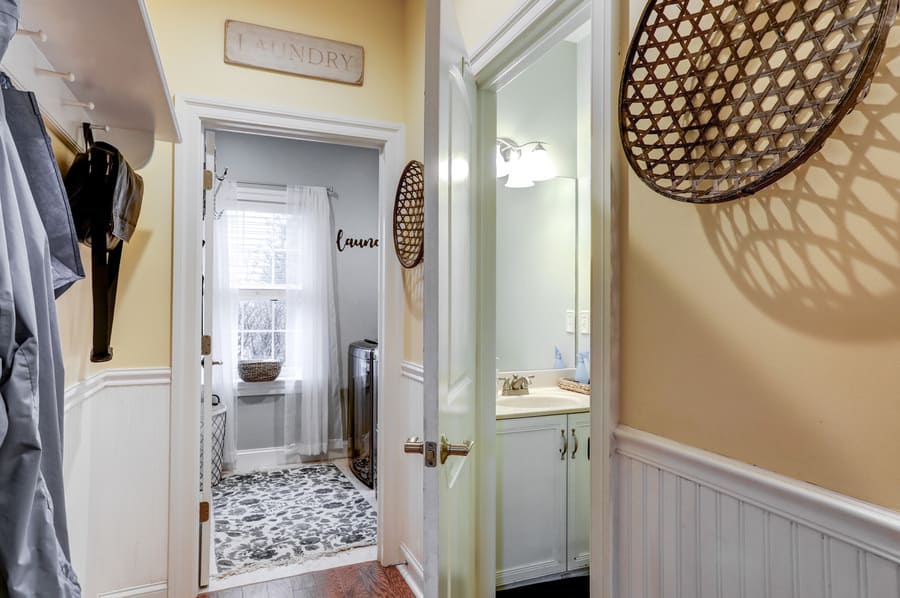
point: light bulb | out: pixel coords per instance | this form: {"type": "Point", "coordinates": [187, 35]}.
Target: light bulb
{"type": "Point", "coordinates": [540, 166]}
{"type": "Point", "coordinates": [519, 177]}
{"type": "Point", "coordinates": [502, 164]}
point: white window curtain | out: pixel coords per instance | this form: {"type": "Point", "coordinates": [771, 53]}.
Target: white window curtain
{"type": "Point", "coordinates": [313, 420]}
{"type": "Point", "coordinates": [226, 297]}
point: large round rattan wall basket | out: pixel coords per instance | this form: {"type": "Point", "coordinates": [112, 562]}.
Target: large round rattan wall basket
{"type": "Point", "coordinates": [409, 215]}
{"type": "Point", "coordinates": [720, 98]}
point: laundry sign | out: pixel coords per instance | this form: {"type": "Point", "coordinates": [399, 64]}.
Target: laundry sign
{"type": "Point", "coordinates": [284, 51]}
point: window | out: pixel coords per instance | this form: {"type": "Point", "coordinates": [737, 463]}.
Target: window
{"type": "Point", "coordinates": [257, 251]}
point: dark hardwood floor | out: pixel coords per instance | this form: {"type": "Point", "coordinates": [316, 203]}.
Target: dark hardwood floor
{"type": "Point", "coordinates": [363, 580]}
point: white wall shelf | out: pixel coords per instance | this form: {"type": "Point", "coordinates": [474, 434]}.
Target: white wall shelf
{"type": "Point", "coordinates": [108, 46]}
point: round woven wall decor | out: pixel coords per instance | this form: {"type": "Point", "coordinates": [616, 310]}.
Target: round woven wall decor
{"type": "Point", "coordinates": [720, 98]}
{"type": "Point", "coordinates": [409, 215]}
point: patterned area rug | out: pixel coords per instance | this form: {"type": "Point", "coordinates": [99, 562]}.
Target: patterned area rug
{"type": "Point", "coordinates": [275, 518]}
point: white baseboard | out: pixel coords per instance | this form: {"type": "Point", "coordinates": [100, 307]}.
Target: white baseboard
{"type": "Point", "coordinates": [250, 460]}
{"type": "Point", "coordinates": [412, 571]}
{"type": "Point", "coordinates": [156, 590]}
{"type": "Point", "coordinates": [699, 524]}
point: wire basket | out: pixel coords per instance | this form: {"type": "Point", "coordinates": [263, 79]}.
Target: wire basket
{"type": "Point", "coordinates": [259, 371]}
{"type": "Point", "coordinates": [720, 98]}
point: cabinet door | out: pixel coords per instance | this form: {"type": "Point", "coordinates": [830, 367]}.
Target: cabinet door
{"type": "Point", "coordinates": [579, 492]}
{"type": "Point", "coordinates": [531, 498]}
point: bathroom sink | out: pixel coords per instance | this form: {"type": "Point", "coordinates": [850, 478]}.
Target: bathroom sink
{"type": "Point", "coordinates": [541, 401]}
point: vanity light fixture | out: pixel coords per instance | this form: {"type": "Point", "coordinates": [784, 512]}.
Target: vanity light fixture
{"type": "Point", "coordinates": [524, 164]}
{"type": "Point", "coordinates": [502, 165]}
{"type": "Point", "coordinates": [518, 176]}
{"type": "Point", "coordinates": [538, 164]}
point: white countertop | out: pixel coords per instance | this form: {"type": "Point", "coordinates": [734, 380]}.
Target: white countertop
{"type": "Point", "coordinates": [540, 401]}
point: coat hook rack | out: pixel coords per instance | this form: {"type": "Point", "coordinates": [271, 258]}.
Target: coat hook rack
{"type": "Point", "coordinates": [37, 34]}
{"type": "Point", "coordinates": [70, 77]}
{"type": "Point", "coordinates": [77, 104]}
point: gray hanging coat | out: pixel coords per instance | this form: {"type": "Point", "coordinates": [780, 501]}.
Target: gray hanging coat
{"type": "Point", "coordinates": [23, 117]}
{"type": "Point", "coordinates": [33, 538]}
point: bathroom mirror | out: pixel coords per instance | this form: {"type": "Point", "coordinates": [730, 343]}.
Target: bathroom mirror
{"type": "Point", "coordinates": [543, 224]}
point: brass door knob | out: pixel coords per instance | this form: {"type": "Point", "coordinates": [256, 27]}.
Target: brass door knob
{"type": "Point", "coordinates": [456, 450]}
{"type": "Point", "coordinates": [414, 445]}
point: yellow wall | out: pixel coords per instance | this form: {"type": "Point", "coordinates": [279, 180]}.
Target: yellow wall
{"type": "Point", "coordinates": [190, 39]}
{"type": "Point", "coordinates": [768, 329]}
{"type": "Point", "coordinates": [479, 19]}
{"type": "Point", "coordinates": [415, 141]}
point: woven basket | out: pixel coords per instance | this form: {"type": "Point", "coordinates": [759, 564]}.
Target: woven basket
{"type": "Point", "coordinates": [409, 215]}
{"type": "Point", "coordinates": [720, 98]}
{"type": "Point", "coordinates": [570, 384]}
{"type": "Point", "coordinates": [259, 371]}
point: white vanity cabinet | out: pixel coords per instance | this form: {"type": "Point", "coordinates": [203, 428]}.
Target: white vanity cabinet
{"type": "Point", "coordinates": [578, 520]}
{"type": "Point", "coordinates": [543, 495]}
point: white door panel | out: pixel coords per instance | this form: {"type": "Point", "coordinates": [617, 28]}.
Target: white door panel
{"type": "Point", "coordinates": [450, 307]}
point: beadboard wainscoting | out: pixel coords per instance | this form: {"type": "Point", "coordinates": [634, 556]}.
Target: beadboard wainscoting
{"type": "Point", "coordinates": [692, 524]}
{"type": "Point", "coordinates": [116, 473]}
{"type": "Point", "coordinates": [413, 381]}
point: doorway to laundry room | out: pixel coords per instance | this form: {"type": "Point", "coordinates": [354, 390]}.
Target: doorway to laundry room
{"type": "Point", "coordinates": [291, 307]}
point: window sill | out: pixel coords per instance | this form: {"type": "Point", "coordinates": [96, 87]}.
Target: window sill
{"type": "Point", "coordinates": [259, 389]}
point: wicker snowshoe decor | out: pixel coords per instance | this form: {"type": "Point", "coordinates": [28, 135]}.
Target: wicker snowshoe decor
{"type": "Point", "coordinates": [721, 98]}
{"type": "Point", "coordinates": [409, 215]}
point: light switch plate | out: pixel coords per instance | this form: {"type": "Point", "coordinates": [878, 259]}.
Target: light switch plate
{"type": "Point", "coordinates": [570, 321]}
{"type": "Point", "coordinates": [584, 321]}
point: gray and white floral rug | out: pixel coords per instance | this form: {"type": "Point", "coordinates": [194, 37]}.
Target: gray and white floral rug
{"type": "Point", "coordinates": [283, 517]}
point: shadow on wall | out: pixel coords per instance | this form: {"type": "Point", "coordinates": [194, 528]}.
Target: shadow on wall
{"type": "Point", "coordinates": [414, 289]}
{"type": "Point", "coordinates": [731, 409]}
{"type": "Point", "coordinates": [820, 249]}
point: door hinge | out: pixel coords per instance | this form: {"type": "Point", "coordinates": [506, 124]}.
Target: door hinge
{"type": "Point", "coordinates": [206, 345]}
{"type": "Point", "coordinates": [208, 180]}
{"type": "Point", "coordinates": [204, 511]}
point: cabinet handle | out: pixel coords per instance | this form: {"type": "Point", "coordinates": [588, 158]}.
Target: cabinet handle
{"type": "Point", "coordinates": [589, 448]}
{"type": "Point", "coordinates": [575, 438]}
{"type": "Point", "coordinates": [565, 446]}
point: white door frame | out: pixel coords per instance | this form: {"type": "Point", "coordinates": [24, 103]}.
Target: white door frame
{"type": "Point", "coordinates": [195, 114]}
{"type": "Point", "coordinates": [520, 40]}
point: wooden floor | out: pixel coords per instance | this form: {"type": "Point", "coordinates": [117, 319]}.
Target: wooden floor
{"type": "Point", "coordinates": [363, 580]}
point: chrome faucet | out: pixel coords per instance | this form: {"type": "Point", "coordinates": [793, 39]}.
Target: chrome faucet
{"type": "Point", "coordinates": [515, 385]}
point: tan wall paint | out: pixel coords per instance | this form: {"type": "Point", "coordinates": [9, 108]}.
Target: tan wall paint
{"type": "Point", "coordinates": [479, 19]}
{"type": "Point", "coordinates": [768, 329]}
{"type": "Point", "coordinates": [415, 148]}
{"type": "Point", "coordinates": [190, 40]}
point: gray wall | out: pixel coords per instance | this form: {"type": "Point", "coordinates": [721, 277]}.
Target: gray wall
{"type": "Point", "coordinates": [353, 172]}
{"type": "Point", "coordinates": [536, 274]}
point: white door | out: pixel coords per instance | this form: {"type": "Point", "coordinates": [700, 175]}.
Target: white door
{"type": "Point", "coordinates": [450, 310]}
{"type": "Point", "coordinates": [209, 166]}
